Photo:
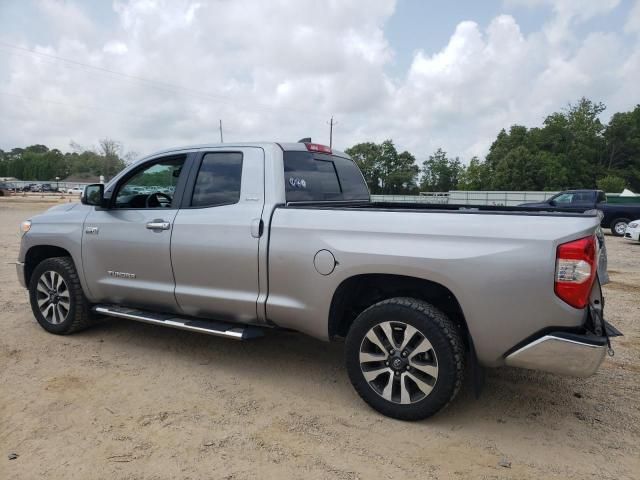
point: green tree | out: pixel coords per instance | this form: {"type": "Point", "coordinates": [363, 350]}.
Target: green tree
{"type": "Point", "coordinates": [440, 173]}
{"type": "Point", "coordinates": [38, 162]}
{"type": "Point", "coordinates": [622, 158]}
{"type": "Point", "coordinates": [475, 176]}
{"type": "Point", "coordinates": [385, 170]}
{"type": "Point", "coordinates": [612, 184]}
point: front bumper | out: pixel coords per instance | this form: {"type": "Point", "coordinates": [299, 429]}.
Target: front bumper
{"type": "Point", "coordinates": [576, 355]}
{"type": "Point", "coordinates": [632, 234]}
{"type": "Point", "coordinates": [20, 272]}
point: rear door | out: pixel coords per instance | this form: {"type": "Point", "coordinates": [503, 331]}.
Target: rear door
{"type": "Point", "coordinates": [214, 248]}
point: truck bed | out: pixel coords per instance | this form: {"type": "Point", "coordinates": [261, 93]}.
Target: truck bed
{"type": "Point", "coordinates": [444, 208]}
{"type": "Point", "coordinates": [498, 262]}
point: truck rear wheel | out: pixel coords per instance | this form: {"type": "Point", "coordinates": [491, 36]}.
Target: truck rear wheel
{"type": "Point", "coordinates": [57, 299]}
{"type": "Point", "coordinates": [619, 226]}
{"type": "Point", "coordinates": [405, 358]}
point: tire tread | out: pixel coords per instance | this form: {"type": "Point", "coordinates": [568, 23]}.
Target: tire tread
{"type": "Point", "coordinates": [452, 334]}
{"type": "Point", "coordinates": [82, 315]}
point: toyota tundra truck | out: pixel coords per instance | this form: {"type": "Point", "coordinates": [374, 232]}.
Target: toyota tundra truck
{"type": "Point", "coordinates": [234, 239]}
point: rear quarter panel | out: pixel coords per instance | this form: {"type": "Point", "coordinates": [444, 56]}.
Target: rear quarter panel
{"type": "Point", "coordinates": [499, 267]}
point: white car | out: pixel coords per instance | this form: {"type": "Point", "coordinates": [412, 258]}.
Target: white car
{"type": "Point", "coordinates": [77, 190]}
{"type": "Point", "coordinates": [633, 231]}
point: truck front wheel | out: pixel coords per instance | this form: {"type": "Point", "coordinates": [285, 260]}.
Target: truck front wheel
{"type": "Point", "coordinates": [405, 358]}
{"type": "Point", "coordinates": [56, 296]}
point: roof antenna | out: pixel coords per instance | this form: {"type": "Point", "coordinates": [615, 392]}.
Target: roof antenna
{"type": "Point", "coordinates": [305, 140]}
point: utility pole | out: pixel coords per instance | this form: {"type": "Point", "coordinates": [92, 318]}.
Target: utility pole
{"type": "Point", "coordinates": [331, 124]}
{"type": "Point", "coordinates": [221, 139]}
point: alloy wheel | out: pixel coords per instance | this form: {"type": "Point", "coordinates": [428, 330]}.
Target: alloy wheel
{"type": "Point", "coordinates": [620, 228]}
{"type": "Point", "coordinates": [398, 362]}
{"type": "Point", "coordinates": [53, 297]}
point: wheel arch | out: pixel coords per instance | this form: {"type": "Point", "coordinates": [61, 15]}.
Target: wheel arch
{"type": "Point", "coordinates": [37, 253]}
{"type": "Point", "coordinates": [359, 292]}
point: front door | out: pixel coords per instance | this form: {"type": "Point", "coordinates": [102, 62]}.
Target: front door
{"type": "Point", "coordinates": [216, 235]}
{"type": "Point", "coordinates": [126, 248]}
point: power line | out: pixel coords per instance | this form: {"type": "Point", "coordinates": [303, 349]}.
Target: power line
{"type": "Point", "coordinates": [71, 105]}
{"type": "Point", "coordinates": [154, 83]}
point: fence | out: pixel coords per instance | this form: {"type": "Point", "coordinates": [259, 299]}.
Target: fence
{"type": "Point", "coordinates": [460, 197]}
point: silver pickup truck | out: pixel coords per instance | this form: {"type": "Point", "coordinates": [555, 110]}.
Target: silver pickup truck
{"type": "Point", "coordinates": [232, 239]}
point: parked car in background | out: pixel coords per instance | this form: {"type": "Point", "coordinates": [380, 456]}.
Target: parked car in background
{"type": "Point", "coordinates": [77, 190]}
{"type": "Point", "coordinates": [616, 216]}
{"type": "Point", "coordinates": [633, 231]}
{"type": "Point", "coordinates": [46, 187]}
{"type": "Point", "coordinates": [5, 189]}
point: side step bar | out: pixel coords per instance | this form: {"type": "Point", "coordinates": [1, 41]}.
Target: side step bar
{"type": "Point", "coordinates": [218, 329]}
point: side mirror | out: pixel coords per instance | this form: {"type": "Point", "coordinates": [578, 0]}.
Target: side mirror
{"type": "Point", "coordinates": [552, 203]}
{"type": "Point", "coordinates": [93, 195]}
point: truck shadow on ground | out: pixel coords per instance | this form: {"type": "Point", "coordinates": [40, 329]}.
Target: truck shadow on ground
{"type": "Point", "coordinates": [295, 364]}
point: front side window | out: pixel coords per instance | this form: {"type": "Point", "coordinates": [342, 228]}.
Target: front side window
{"type": "Point", "coordinates": [153, 186]}
{"type": "Point", "coordinates": [564, 198]}
{"type": "Point", "coordinates": [219, 180]}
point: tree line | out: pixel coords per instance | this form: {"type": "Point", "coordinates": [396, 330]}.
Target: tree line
{"type": "Point", "coordinates": [38, 162]}
{"type": "Point", "coordinates": [572, 149]}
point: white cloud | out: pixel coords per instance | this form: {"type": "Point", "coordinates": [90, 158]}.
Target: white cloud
{"type": "Point", "coordinates": [633, 20]}
{"type": "Point", "coordinates": [278, 69]}
{"type": "Point", "coordinates": [115, 47]}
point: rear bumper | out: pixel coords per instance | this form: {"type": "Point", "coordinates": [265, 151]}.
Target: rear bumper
{"type": "Point", "coordinates": [20, 272]}
{"type": "Point", "coordinates": [576, 355]}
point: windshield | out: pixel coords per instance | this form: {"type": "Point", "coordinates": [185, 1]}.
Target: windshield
{"type": "Point", "coordinates": [319, 177]}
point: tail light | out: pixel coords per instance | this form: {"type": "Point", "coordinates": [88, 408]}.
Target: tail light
{"type": "Point", "coordinates": [316, 147]}
{"type": "Point", "coordinates": [576, 271]}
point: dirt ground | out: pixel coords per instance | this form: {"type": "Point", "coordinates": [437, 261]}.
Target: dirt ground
{"type": "Point", "coordinates": [131, 401]}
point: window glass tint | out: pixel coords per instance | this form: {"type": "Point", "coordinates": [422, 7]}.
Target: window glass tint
{"type": "Point", "coordinates": [218, 181]}
{"type": "Point", "coordinates": [564, 198]}
{"type": "Point", "coordinates": [153, 186]}
{"type": "Point", "coordinates": [310, 177]}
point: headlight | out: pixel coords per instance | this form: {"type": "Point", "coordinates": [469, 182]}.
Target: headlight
{"type": "Point", "coordinates": [633, 225]}
{"type": "Point", "coordinates": [25, 227]}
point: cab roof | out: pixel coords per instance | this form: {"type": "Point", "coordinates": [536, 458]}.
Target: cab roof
{"type": "Point", "coordinates": [286, 147]}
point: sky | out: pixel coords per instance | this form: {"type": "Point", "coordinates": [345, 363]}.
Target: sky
{"type": "Point", "coordinates": [427, 74]}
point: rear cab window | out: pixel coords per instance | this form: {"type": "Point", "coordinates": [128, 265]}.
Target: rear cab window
{"type": "Point", "coordinates": [319, 177]}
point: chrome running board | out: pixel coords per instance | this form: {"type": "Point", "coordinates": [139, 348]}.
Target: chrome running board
{"type": "Point", "coordinates": [208, 327]}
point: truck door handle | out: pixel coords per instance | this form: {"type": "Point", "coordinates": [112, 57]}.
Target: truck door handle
{"type": "Point", "coordinates": [158, 225]}
{"type": "Point", "coordinates": [257, 226]}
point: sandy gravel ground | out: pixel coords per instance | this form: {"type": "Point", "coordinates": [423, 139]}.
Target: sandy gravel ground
{"type": "Point", "coordinates": [132, 401]}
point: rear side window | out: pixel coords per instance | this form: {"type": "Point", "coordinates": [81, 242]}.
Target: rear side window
{"type": "Point", "coordinates": [602, 197]}
{"type": "Point", "coordinates": [218, 181]}
{"type": "Point", "coordinates": [318, 177]}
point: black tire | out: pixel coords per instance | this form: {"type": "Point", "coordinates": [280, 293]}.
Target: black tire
{"type": "Point", "coordinates": [447, 350]}
{"type": "Point", "coordinates": [615, 223]}
{"type": "Point", "coordinates": [79, 315]}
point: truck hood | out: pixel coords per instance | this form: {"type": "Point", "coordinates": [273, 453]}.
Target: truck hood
{"type": "Point", "coordinates": [65, 207]}
{"type": "Point", "coordinates": [64, 212]}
